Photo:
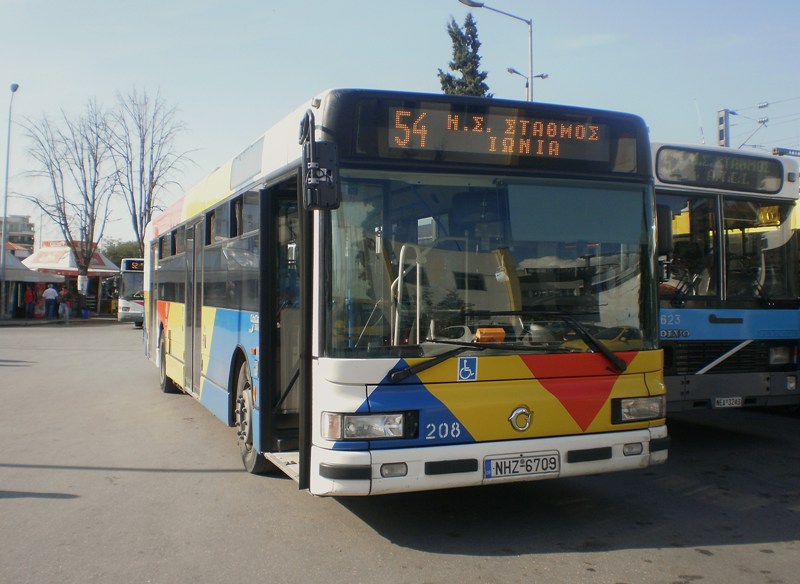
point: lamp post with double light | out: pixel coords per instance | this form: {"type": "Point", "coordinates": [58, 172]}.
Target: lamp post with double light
{"type": "Point", "coordinates": [513, 71]}
{"type": "Point", "coordinates": [3, 283]}
{"type": "Point", "coordinates": [529, 22]}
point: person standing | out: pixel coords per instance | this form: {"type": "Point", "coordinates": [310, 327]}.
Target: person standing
{"type": "Point", "coordinates": [64, 304]}
{"type": "Point", "coordinates": [50, 297]}
{"type": "Point", "coordinates": [30, 301]}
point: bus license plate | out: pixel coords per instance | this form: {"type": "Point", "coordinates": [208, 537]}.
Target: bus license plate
{"type": "Point", "coordinates": [538, 463]}
{"type": "Point", "coordinates": [728, 402]}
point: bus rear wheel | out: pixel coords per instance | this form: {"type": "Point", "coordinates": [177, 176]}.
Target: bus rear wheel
{"type": "Point", "coordinates": [253, 461]}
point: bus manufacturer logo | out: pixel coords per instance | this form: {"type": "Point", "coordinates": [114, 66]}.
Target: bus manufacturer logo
{"type": "Point", "coordinates": [467, 368]}
{"type": "Point", "coordinates": [521, 418]}
{"type": "Point", "coordinates": [675, 334]}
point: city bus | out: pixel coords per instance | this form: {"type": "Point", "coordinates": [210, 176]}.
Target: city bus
{"type": "Point", "coordinates": [729, 305]}
{"type": "Point", "coordinates": [130, 291]}
{"type": "Point", "coordinates": [391, 292]}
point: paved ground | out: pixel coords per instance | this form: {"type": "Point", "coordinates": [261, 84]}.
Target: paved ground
{"type": "Point", "coordinates": [104, 479]}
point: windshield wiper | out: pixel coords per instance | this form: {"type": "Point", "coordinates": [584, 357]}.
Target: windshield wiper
{"type": "Point", "coordinates": [594, 343]}
{"type": "Point", "coordinates": [762, 294]}
{"type": "Point", "coordinates": [398, 376]}
{"type": "Point", "coordinates": [587, 337]}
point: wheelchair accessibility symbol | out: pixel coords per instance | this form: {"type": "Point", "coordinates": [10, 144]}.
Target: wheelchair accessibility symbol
{"type": "Point", "coordinates": [467, 368]}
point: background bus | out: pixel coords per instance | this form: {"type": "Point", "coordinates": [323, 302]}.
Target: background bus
{"type": "Point", "coordinates": [130, 301]}
{"type": "Point", "coordinates": [429, 292]}
{"type": "Point", "coordinates": [729, 318]}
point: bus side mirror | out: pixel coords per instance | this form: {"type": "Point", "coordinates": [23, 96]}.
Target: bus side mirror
{"type": "Point", "coordinates": [320, 164]}
{"type": "Point", "coordinates": [320, 175]}
{"type": "Point", "coordinates": [663, 229]}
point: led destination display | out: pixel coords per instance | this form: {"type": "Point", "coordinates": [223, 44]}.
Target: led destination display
{"type": "Point", "coordinates": [494, 133]}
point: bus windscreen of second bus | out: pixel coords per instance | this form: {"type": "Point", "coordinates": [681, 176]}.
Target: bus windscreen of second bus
{"type": "Point", "coordinates": [130, 302]}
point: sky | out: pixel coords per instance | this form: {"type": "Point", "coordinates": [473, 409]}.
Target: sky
{"type": "Point", "coordinates": [232, 68]}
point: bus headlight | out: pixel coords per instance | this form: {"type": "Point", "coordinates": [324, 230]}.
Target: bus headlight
{"type": "Point", "coordinates": [364, 426]}
{"type": "Point", "coordinates": [781, 356]}
{"type": "Point", "coordinates": [638, 409]}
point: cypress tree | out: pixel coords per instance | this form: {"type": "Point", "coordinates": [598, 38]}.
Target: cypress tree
{"type": "Point", "coordinates": [466, 60]}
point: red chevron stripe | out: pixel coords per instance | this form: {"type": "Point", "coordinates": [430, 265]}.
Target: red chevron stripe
{"type": "Point", "coordinates": [582, 383]}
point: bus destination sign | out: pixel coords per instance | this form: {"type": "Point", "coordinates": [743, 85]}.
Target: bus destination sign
{"type": "Point", "coordinates": [133, 265]}
{"type": "Point", "coordinates": [495, 132]}
{"type": "Point", "coordinates": [732, 172]}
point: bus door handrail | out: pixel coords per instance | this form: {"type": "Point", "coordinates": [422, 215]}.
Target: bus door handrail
{"type": "Point", "coordinates": [288, 388]}
{"type": "Point", "coordinates": [419, 254]}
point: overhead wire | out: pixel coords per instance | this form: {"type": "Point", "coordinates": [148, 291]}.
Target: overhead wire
{"type": "Point", "coordinates": [780, 121]}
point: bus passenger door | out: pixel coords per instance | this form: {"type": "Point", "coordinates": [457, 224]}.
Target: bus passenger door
{"type": "Point", "coordinates": [194, 306]}
{"type": "Point", "coordinates": [280, 318]}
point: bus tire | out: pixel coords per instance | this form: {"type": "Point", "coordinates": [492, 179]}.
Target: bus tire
{"type": "Point", "coordinates": [167, 385]}
{"type": "Point", "coordinates": [253, 461]}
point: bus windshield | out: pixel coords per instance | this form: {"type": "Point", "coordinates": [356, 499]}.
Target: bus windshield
{"type": "Point", "coordinates": [132, 286]}
{"type": "Point", "coordinates": [526, 264]}
{"type": "Point", "coordinates": [758, 243]}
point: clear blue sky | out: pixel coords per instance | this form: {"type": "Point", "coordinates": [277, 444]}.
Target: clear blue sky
{"type": "Point", "coordinates": [233, 68]}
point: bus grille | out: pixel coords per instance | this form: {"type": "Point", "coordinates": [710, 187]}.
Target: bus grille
{"type": "Point", "coordinates": [689, 358]}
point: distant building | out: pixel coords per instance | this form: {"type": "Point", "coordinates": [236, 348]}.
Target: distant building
{"type": "Point", "coordinates": [20, 233]}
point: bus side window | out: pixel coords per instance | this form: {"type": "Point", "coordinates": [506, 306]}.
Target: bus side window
{"type": "Point", "coordinates": [210, 228]}
{"type": "Point", "coordinates": [237, 227]}
{"type": "Point", "coordinates": [179, 240]}
{"type": "Point", "coordinates": [250, 211]}
{"type": "Point", "coordinates": [221, 223]}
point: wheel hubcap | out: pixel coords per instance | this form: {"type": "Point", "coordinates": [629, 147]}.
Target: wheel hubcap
{"type": "Point", "coordinates": [244, 405]}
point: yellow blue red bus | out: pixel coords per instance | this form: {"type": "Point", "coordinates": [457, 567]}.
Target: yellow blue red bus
{"type": "Point", "coordinates": [392, 292]}
{"type": "Point", "coordinates": [730, 323]}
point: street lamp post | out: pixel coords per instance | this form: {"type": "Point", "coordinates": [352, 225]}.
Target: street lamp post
{"type": "Point", "coordinates": [3, 283]}
{"type": "Point", "coordinates": [529, 22]}
{"type": "Point", "coordinates": [513, 71]}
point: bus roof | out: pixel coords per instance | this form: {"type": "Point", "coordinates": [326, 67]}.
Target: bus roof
{"type": "Point", "coordinates": [277, 150]}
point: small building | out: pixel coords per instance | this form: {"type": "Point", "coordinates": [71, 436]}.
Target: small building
{"type": "Point", "coordinates": [58, 257]}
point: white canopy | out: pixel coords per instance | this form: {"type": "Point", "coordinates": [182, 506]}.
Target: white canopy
{"type": "Point", "coordinates": [57, 257]}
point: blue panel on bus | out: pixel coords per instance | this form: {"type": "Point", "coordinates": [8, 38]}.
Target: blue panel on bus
{"type": "Point", "coordinates": [231, 329]}
{"type": "Point", "coordinates": [703, 324]}
{"type": "Point", "coordinates": [437, 424]}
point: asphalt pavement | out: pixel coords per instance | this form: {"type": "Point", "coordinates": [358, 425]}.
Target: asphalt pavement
{"type": "Point", "coordinates": [104, 479]}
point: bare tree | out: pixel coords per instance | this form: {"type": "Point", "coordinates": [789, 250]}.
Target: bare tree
{"type": "Point", "coordinates": [142, 142]}
{"type": "Point", "coordinates": [74, 158]}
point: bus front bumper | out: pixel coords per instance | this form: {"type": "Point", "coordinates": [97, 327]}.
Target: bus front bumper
{"type": "Point", "coordinates": [376, 472]}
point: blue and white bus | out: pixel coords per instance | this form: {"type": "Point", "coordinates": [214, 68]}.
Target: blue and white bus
{"type": "Point", "coordinates": [729, 309]}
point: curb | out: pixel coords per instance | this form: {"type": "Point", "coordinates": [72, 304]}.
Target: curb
{"type": "Point", "coordinates": [21, 322]}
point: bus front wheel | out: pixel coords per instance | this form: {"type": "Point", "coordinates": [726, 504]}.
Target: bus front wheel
{"type": "Point", "coordinates": [253, 461]}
